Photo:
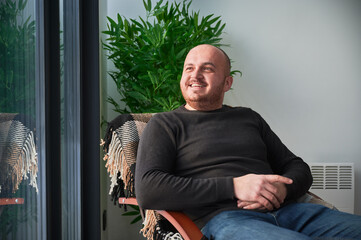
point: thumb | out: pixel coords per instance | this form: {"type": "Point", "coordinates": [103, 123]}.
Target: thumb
{"type": "Point", "coordinates": [278, 178]}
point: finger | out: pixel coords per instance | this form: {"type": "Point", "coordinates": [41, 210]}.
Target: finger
{"type": "Point", "coordinates": [261, 195]}
{"type": "Point", "coordinates": [242, 204]}
{"type": "Point", "coordinates": [263, 199]}
{"type": "Point", "coordinates": [268, 196]}
{"type": "Point", "coordinates": [254, 206]}
{"type": "Point", "coordinates": [269, 200]}
{"type": "Point", "coordinates": [278, 178]}
{"type": "Point", "coordinates": [250, 205]}
{"type": "Point", "coordinates": [275, 192]}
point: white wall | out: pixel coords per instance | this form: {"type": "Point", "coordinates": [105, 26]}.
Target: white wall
{"type": "Point", "coordinates": [301, 64]}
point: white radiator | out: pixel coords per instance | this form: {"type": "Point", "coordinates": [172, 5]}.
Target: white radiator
{"type": "Point", "coordinates": [334, 183]}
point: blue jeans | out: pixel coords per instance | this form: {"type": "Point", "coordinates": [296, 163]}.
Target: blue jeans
{"type": "Point", "coordinates": [294, 221]}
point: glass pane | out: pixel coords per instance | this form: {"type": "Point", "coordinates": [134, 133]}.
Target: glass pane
{"type": "Point", "coordinates": [70, 119]}
{"type": "Point", "coordinates": [19, 165]}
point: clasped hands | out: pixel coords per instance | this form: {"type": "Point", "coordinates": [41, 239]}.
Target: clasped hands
{"type": "Point", "coordinates": [260, 192]}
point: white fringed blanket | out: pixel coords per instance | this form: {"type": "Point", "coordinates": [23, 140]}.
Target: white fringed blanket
{"type": "Point", "coordinates": [18, 157]}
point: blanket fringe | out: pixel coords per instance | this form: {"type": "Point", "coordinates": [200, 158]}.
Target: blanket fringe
{"type": "Point", "coordinates": [113, 159]}
{"type": "Point", "coordinates": [29, 160]}
{"type": "Point", "coordinates": [149, 224]}
{"type": "Point", "coordinates": [116, 163]}
{"type": "Point", "coordinates": [22, 153]}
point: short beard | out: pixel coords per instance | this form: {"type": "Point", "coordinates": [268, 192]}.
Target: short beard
{"type": "Point", "coordinates": [209, 102]}
{"type": "Point", "coordinates": [204, 105]}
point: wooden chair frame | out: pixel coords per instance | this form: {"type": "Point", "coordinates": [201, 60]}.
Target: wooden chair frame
{"type": "Point", "coordinates": [184, 225]}
{"type": "Point", "coordinates": [11, 201]}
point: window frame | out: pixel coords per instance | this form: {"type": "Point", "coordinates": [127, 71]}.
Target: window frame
{"type": "Point", "coordinates": [84, 53]}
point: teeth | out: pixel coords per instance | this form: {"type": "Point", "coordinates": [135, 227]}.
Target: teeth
{"type": "Point", "coordinates": [196, 85]}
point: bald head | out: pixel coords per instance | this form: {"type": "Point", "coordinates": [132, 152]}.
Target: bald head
{"type": "Point", "coordinates": [205, 78]}
{"type": "Point", "coordinates": [223, 54]}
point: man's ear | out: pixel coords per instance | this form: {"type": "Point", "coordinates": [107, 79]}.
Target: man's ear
{"type": "Point", "coordinates": [228, 83]}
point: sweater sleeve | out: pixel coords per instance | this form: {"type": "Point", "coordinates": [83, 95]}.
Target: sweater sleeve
{"type": "Point", "coordinates": [285, 163]}
{"type": "Point", "coordinates": [156, 184]}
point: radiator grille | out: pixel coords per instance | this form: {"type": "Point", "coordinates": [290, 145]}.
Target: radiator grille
{"type": "Point", "coordinates": [335, 183]}
{"type": "Point", "coordinates": [335, 176]}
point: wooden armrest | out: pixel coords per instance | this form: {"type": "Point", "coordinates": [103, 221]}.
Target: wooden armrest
{"type": "Point", "coordinates": [130, 201]}
{"type": "Point", "coordinates": [11, 201]}
{"type": "Point", "coordinates": [314, 195]}
{"type": "Point", "coordinates": [184, 225]}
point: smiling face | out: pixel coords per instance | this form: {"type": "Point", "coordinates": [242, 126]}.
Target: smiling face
{"type": "Point", "coordinates": [205, 78]}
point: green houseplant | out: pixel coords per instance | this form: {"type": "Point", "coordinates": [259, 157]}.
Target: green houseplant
{"type": "Point", "coordinates": [148, 54]}
{"type": "Point", "coordinates": [17, 54]}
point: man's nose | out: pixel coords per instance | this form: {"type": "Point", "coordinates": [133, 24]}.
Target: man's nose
{"type": "Point", "coordinates": [197, 73]}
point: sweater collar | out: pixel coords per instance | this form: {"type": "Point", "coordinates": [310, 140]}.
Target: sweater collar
{"type": "Point", "coordinates": [224, 108]}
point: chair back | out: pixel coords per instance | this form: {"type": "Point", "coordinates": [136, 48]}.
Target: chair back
{"type": "Point", "coordinates": [120, 145]}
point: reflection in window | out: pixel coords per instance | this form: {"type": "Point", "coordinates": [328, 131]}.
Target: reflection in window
{"type": "Point", "coordinates": [18, 157]}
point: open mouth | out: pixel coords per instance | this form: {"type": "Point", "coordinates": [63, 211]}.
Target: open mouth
{"type": "Point", "coordinates": [197, 85]}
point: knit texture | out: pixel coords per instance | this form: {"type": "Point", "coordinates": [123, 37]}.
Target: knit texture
{"type": "Point", "coordinates": [120, 145]}
{"type": "Point", "coordinates": [18, 157]}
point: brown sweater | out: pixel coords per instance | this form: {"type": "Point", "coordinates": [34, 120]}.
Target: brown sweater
{"type": "Point", "coordinates": [187, 160]}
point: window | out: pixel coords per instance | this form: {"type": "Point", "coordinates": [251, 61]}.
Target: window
{"type": "Point", "coordinates": [49, 89]}
{"type": "Point", "coordinates": [21, 170]}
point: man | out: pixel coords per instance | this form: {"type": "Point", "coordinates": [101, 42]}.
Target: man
{"type": "Point", "coordinates": [225, 168]}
